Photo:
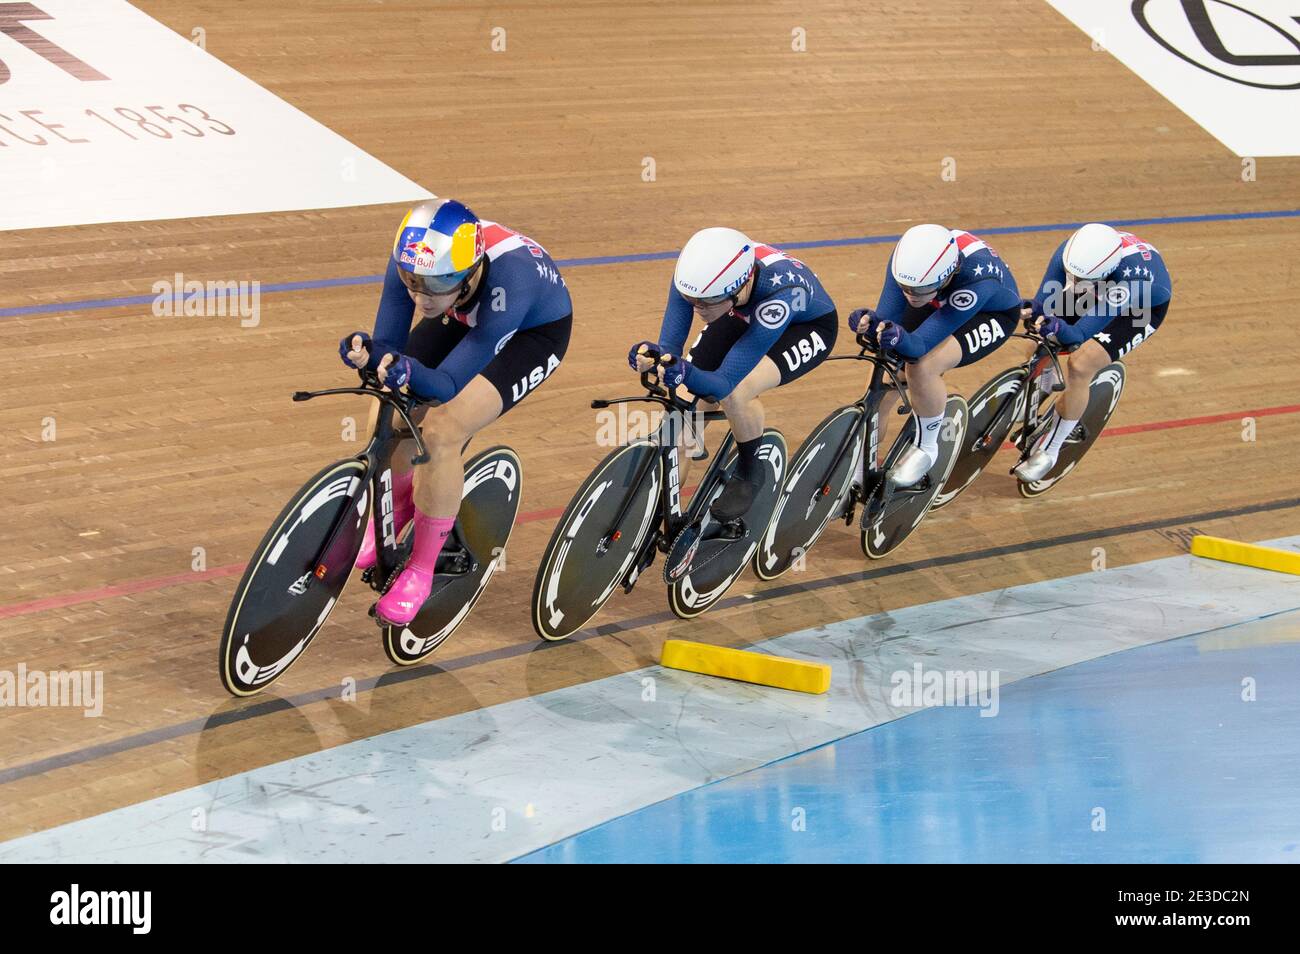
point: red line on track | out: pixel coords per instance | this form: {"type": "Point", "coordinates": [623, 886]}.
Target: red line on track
{"type": "Point", "coordinates": [532, 516]}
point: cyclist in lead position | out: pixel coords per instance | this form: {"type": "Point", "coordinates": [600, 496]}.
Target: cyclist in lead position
{"type": "Point", "coordinates": [491, 317]}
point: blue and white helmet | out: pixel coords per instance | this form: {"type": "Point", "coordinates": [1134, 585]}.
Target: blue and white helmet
{"type": "Point", "coordinates": [437, 245]}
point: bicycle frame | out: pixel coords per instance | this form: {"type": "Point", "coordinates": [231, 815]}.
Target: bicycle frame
{"type": "Point", "coordinates": [884, 365]}
{"type": "Point", "coordinates": [670, 517]}
{"type": "Point", "coordinates": [1033, 366]}
{"type": "Point", "coordinates": [377, 455]}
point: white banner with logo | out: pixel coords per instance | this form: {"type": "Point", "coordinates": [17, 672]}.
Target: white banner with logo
{"type": "Point", "coordinates": [108, 116]}
{"type": "Point", "coordinates": [1231, 65]}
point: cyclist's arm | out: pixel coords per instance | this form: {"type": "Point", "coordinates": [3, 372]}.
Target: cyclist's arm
{"type": "Point", "coordinates": [1052, 285]}
{"type": "Point", "coordinates": [946, 320]}
{"type": "Point", "coordinates": [740, 360]}
{"type": "Point", "coordinates": [1120, 298]}
{"type": "Point", "coordinates": [470, 356]}
{"type": "Point", "coordinates": [393, 319]}
{"type": "Point", "coordinates": [892, 305]}
{"type": "Point", "coordinates": [677, 322]}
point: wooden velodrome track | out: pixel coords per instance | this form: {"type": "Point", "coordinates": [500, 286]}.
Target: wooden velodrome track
{"type": "Point", "coordinates": [176, 433]}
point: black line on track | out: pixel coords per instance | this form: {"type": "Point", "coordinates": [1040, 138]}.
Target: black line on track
{"type": "Point", "coordinates": [272, 706]}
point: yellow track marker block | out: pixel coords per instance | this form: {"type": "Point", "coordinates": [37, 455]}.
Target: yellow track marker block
{"type": "Point", "coordinates": [746, 666]}
{"type": "Point", "coordinates": [1247, 554]}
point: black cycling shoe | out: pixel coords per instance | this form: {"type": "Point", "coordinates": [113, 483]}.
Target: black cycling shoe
{"type": "Point", "coordinates": [735, 500]}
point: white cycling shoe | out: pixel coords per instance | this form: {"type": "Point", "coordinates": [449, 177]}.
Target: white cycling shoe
{"type": "Point", "coordinates": [913, 464]}
{"type": "Point", "coordinates": [1034, 467]}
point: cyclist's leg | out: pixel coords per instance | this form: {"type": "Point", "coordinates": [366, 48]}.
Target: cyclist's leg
{"type": "Point", "coordinates": [928, 396]}
{"type": "Point", "coordinates": [912, 319]}
{"type": "Point", "coordinates": [526, 361]}
{"type": "Point", "coordinates": [429, 343]}
{"type": "Point", "coordinates": [744, 411]}
{"type": "Point", "coordinates": [975, 340]}
{"type": "Point", "coordinates": [800, 348]}
{"type": "Point", "coordinates": [1110, 344]}
{"type": "Point", "coordinates": [706, 353]}
{"type": "Point", "coordinates": [1117, 339]}
{"type": "Point", "coordinates": [1081, 367]}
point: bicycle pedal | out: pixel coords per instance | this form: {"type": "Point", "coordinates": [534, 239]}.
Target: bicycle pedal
{"type": "Point", "coordinates": [868, 517]}
{"type": "Point", "coordinates": [851, 500]}
{"type": "Point", "coordinates": [634, 574]}
{"type": "Point", "coordinates": [920, 487]}
{"type": "Point", "coordinates": [729, 530]}
{"type": "Point", "coordinates": [455, 563]}
{"type": "Point", "coordinates": [684, 547]}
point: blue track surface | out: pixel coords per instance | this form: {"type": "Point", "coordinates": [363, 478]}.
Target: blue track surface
{"type": "Point", "coordinates": [1159, 738]}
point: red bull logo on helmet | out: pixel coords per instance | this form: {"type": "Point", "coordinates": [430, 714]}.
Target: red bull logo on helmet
{"type": "Point", "coordinates": [452, 243]}
{"type": "Point", "coordinates": [419, 256]}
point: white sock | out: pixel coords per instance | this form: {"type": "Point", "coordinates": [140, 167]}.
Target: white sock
{"type": "Point", "coordinates": [1057, 437]}
{"type": "Point", "coordinates": [928, 429]}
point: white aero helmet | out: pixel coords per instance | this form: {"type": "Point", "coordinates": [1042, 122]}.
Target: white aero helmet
{"type": "Point", "coordinates": [1093, 252]}
{"type": "Point", "coordinates": [714, 265]}
{"type": "Point", "coordinates": [924, 259]}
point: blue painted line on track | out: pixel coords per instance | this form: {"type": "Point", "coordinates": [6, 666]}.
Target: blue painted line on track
{"type": "Point", "coordinates": [271, 288]}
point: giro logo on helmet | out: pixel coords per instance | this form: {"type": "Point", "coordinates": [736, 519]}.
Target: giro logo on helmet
{"type": "Point", "coordinates": [925, 257]}
{"type": "Point", "coordinates": [714, 264]}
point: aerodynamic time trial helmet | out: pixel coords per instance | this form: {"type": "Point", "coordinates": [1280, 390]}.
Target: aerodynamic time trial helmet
{"type": "Point", "coordinates": [1093, 252]}
{"type": "Point", "coordinates": [714, 265]}
{"type": "Point", "coordinates": [437, 247]}
{"type": "Point", "coordinates": [925, 257]}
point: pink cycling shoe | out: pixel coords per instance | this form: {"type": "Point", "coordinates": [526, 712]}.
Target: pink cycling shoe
{"type": "Point", "coordinates": [403, 511]}
{"type": "Point", "coordinates": [404, 598]}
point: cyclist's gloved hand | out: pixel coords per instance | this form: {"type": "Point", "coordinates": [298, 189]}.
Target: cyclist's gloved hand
{"type": "Point", "coordinates": [856, 320]}
{"type": "Point", "coordinates": [889, 334]}
{"type": "Point", "coordinates": [673, 374]}
{"type": "Point", "coordinates": [354, 349]}
{"type": "Point", "coordinates": [638, 361]}
{"type": "Point", "coordinates": [394, 370]}
{"type": "Point", "coordinates": [1051, 328]}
